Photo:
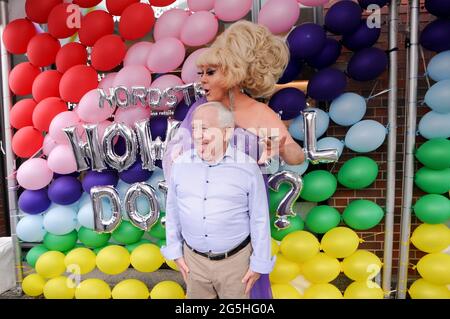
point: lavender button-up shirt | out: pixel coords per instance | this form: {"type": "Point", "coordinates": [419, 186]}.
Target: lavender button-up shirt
{"type": "Point", "coordinates": [214, 207]}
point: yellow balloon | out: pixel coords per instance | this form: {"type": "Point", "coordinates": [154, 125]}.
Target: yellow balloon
{"type": "Point", "coordinates": [33, 285]}
{"type": "Point", "coordinates": [435, 268]}
{"type": "Point", "coordinates": [275, 247]}
{"type": "Point", "coordinates": [171, 264]}
{"type": "Point", "coordinates": [422, 289]}
{"type": "Point", "coordinates": [93, 289]}
{"type": "Point", "coordinates": [167, 290]}
{"type": "Point", "coordinates": [299, 246]}
{"type": "Point", "coordinates": [361, 266]}
{"type": "Point", "coordinates": [284, 270]}
{"type": "Point", "coordinates": [340, 242]}
{"type": "Point", "coordinates": [51, 264]}
{"type": "Point", "coordinates": [285, 291]}
{"type": "Point", "coordinates": [431, 238]}
{"type": "Point", "coordinates": [130, 289]}
{"type": "Point", "coordinates": [321, 269]}
{"type": "Point", "coordinates": [59, 288]}
{"type": "Point", "coordinates": [147, 258]}
{"type": "Point", "coordinates": [80, 261]}
{"type": "Point", "coordinates": [363, 290]}
{"type": "Point", "coordinates": [113, 260]}
{"type": "Point", "coordinates": [322, 291]}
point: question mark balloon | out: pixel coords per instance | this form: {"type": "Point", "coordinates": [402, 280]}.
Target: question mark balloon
{"type": "Point", "coordinates": [286, 206]}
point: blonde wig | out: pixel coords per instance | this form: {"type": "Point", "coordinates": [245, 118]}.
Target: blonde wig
{"type": "Point", "coordinates": [250, 57]}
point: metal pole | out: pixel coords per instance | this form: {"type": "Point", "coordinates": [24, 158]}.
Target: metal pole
{"type": "Point", "coordinates": [392, 150]}
{"type": "Point", "coordinates": [255, 10]}
{"type": "Point", "coordinates": [318, 15]}
{"type": "Point", "coordinates": [408, 175]}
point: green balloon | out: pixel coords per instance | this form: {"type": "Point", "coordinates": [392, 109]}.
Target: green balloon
{"type": "Point", "coordinates": [433, 181]}
{"type": "Point", "coordinates": [435, 153]}
{"type": "Point", "coordinates": [34, 254]}
{"type": "Point", "coordinates": [278, 234]}
{"type": "Point", "coordinates": [358, 173]}
{"type": "Point", "coordinates": [322, 218]}
{"type": "Point", "coordinates": [158, 230]}
{"type": "Point", "coordinates": [161, 242]}
{"type": "Point", "coordinates": [60, 242]}
{"type": "Point", "coordinates": [92, 239]}
{"type": "Point", "coordinates": [275, 198]}
{"type": "Point", "coordinates": [127, 233]}
{"type": "Point", "coordinates": [318, 186]}
{"type": "Point", "coordinates": [433, 209]}
{"type": "Point", "coordinates": [132, 247]}
{"type": "Point", "coordinates": [362, 214]}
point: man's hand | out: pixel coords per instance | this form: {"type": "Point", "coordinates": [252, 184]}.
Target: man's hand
{"type": "Point", "coordinates": [249, 279]}
{"type": "Point", "coordinates": [184, 269]}
{"type": "Point", "coordinates": [272, 146]}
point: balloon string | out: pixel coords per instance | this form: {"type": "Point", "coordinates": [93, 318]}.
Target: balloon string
{"type": "Point", "coordinates": [373, 89]}
{"type": "Point", "coordinates": [371, 235]}
{"type": "Point", "coordinates": [422, 55]}
{"type": "Point", "coordinates": [378, 94]}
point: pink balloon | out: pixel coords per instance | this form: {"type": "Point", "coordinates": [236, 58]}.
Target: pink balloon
{"type": "Point", "coordinates": [137, 54]}
{"type": "Point", "coordinates": [102, 128]}
{"type": "Point", "coordinates": [189, 72]}
{"type": "Point", "coordinates": [107, 82]}
{"type": "Point", "coordinates": [131, 115]}
{"type": "Point", "coordinates": [61, 160]}
{"type": "Point", "coordinates": [34, 174]}
{"type": "Point", "coordinates": [199, 29]}
{"type": "Point", "coordinates": [133, 75]}
{"type": "Point", "coordinates": [166, 55]}
{"type": "Point", "coordinates": [279, 16]}
{"type": "Point", "coordinates": [166, 81]}
{"type": "Point", "coordinates": [48, 145]}
{"type": "Point", "coordinates": [313, 3]}
{"type": "Point", "coordinates": [232, 10]}
{"type": "Point", "coordinates": [61, 121]}
{"type": "Point", "coordinates": [89, 110]}
{"type": "Point", "coordinates": [200, 5]}
{"type": "Point", "coordinates": [169, 24]}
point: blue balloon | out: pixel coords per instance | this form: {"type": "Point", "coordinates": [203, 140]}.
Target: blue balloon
{"type": "Point", "coordinates": [34, 201]}
{"type": "Point", "coordinates": [86, 215]}
{"type": "Point", "coordinates": [31, 228]}
{"type": "Point", "coordinates": [297, 129]}
{"type": "Point", "coordinates": [330, 143]}
{"type": "Point", "coordinates": [327, 84]}
{"type": "Point", "coordinates": [158, 126]}
{"type": "Point", "coordinates": [60, 220]}
{"type": "Point", "coordinates": [288, 103]}
{"type": "Point", "coordinates": [363, 37]}
{"type": "Point", "coordinates": [299, 169]}
{"type": "Point", "coordinates": [367, 64]}
{"type": "Point", "coordinates": [365, 136]}
{"type": "Point", "coordinates": [93, 178]}
{"type": "Point", "coordinates": [181, 110]}
{"type": "Point", "coordinates": [291, 72]}
{"type": "Point", "coordinates": [435, 35]}
{"type": "Point", "coordinates": [439, 8]}
{"type": "Point", "coordinates": [65, 190]}
{"type": "Point", "coordinates": [85, 198]}
{"type": "Point", "coordinates": [135, 173]}
{"type": "Point", "coordinates": [327, 56]}
{"type": "Point", "coordinates": [365, 3]}
{"type": "Point", "coordinates": [438, 97]}
{"type": "Point", "coordinates": [306, 40]}
{"type": "Point", "coordinates": [439, 66]}
{"type": "Point", "coordinates": [153, 181]}
{"type": "Point", "coordinates": [343, 17]}
{"type": "Point", "coordinates": [435, 125]}
{"type": "Point", "coordinates": [348, 109]}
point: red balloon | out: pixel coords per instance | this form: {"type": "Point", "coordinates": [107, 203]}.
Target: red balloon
{"type": "Point", "coordinates": [21, 114]}
{"type": "Point", "coordinates": [76, 82]}
{"type": "Point", "coordinates": [62, 20]}
{"type": "Point", "coordinates": [21, 78]}
{"type": "Point", "coordinates": [27, 141]}
{"type": "Point", "coordinates": [161, 3]}
{"type": "Point", "coordinates": [17, 35]}
{"type": "Point", "coordinates": [108, 52]}
{"type": "Point", "coordinates": [69, 55]}
{"type": "Point", "coordinates": [42, 49]}
{"type": "Point", "coordinates": [46, 85]}
{"type": "Point", "coordinates": [87, 3]}
{"type": "Point", "coordinates": [45, 111]}
{"type": "Point", "coordinates": [38, 10]}
{"type": "Point", "coordinates": [136, 21]}
{"type": "Point", "coordinates": [95, 25]}
{"type": "Point", "coordinates": [116, 7]}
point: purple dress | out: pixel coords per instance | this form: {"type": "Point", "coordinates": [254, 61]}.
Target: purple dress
{"type": "Point", "coordinates": [245, 141]}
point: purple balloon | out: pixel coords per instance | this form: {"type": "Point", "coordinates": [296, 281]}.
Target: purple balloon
{"type": "Point", "coordinates": [291, 72]}
{"type": "Point", "coordinates": [367, 64]}
{"type": "Point", "coordinates": [439, 8]}
{"type": "Point", "coordinates": [327, 57]}
{"type": "Point", "coordinates": [158, 127]}
{"type": "Point", "coordinates": [363, 37]}
{"type": "Point", "coordinates": [343, 17]}
{"type": "Point", "coordinates": [34, 202]}
{"type": "Point", "coordinates": [288, 103]}
{"type": "Point", "coordinates": [181, 111]}
{"type": "Point", "coordinates": [135, 173]}
{"type": "Point", "coordinates": [93, 178]}
{"type": "Point", "coordinates": [74, 174]}
{"type": "Point", "coordinates": [435, 36]}
{"type": "Point", "coordinates": [120, 147]}
{"type": "Point", "coordinates": [65, 190]}
{"type": "Point", "coordinates": [365, 3]}
{"type": "Point", "coordinates": [306, 40]}
{"type": "Point", "coordinates": [327, 84]}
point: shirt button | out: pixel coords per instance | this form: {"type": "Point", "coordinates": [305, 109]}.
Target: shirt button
{"type": "Point", "coordinates": [204, 198]}
{"type": "Point", "coordinates": [207, 181]}
{"type": "Point", "coordinates": [204, 217]}
{"type": "Point", "coordinates": [206, 235]}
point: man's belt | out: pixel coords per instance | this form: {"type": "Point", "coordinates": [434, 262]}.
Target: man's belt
{"type": "Point", "coordinates": [227, 254]}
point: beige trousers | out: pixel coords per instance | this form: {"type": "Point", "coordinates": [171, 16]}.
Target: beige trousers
{"type": "Point", "coordinates": [212, 279]}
